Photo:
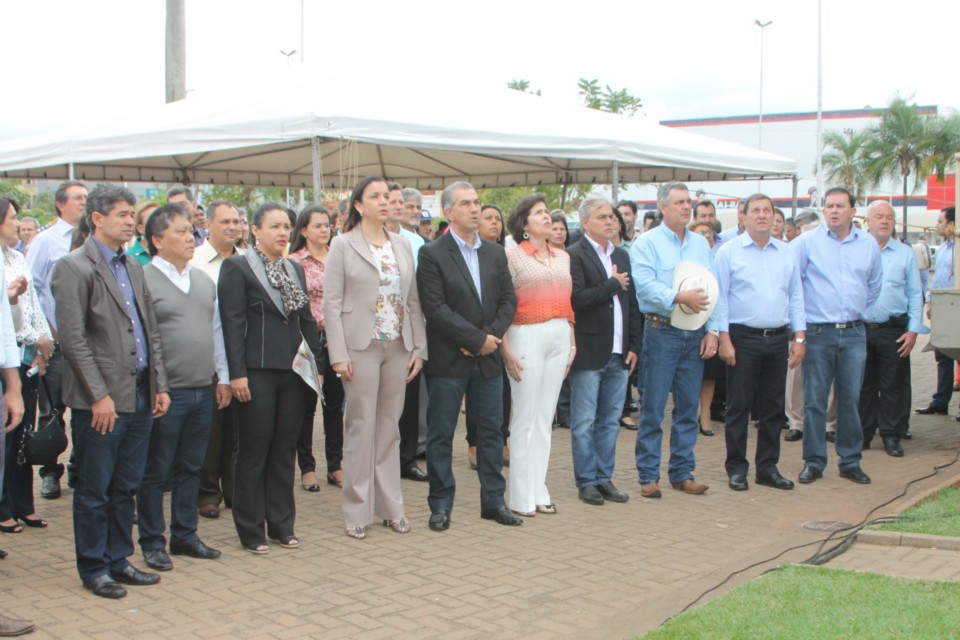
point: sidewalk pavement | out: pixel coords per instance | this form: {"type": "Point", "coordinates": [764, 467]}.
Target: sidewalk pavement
{"type": "Point", "coordinates": [613, 571]}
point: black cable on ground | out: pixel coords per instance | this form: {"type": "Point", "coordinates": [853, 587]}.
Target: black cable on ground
{"type": "Point", "coordinates": [821, 556]}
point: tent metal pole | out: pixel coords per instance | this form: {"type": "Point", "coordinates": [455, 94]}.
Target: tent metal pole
{"type": "Point", "coordinates": [70, 171]}
{"type": "Point", "coordinates": [315, 163]}
{"type": "Point", "coordinates": [615, 181]}
{"type": "Point", "coordinates": [795, 180]}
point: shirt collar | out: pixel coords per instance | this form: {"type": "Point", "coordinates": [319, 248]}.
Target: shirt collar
{"type": "Point", "coordinates": [109, 254]}
{"type": "Point", "coordinates": [746, 240]}
{"type": "Point", "coordinates": [62, 226]}
{"type": "Point", "coordinates": [464, 245]}
{"type": "Point", "coordinates": [853, 235]}
{"type": "Point", "coordinates": [528, 247]}
{"type": "Point", "coordinates": [169, 268]}
{"type": "Point", "coordinates": [606, 251]}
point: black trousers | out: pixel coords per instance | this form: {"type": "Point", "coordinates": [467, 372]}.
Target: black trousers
{"type": "Point", "coordinates": [410, 424]}
{"type": "Point", "coordinates": [886, 392]}
{"type": "Point", "coordinates": [17, 499]}
{"type": "Point", "coordinates": [761, 372]}
{"type": "Point", "coordinates": [267, 430]}
{"type": "Point", "coordinates": [54, 379]}
{"type": "Point", "coordinates": [332, 425]}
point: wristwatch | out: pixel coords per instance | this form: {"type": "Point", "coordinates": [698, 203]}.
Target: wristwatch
{"type": "Point", "coordinates": [800, 340]}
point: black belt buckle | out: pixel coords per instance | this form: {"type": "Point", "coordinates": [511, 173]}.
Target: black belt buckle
{"type": "Point", "coordinates": [767, 333]}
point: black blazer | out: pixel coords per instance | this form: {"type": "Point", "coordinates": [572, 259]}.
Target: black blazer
{"type": "Point", "coordinates": [453, 311]}
{"type": "Point", "coordinates": [592, 302]}
{"type": "Point", "coordinates": [257, 334]}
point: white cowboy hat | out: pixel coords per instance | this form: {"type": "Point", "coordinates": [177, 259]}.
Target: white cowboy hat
{"type": "Point", "coordinates": [693, 275]}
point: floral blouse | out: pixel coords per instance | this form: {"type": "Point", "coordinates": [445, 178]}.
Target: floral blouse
{"type": "Point", "coordinates": [389, 319]}
{"type": "Point", "coordinates": [28, 319]}
{"type": "Point", "coordinates": [314, 270]}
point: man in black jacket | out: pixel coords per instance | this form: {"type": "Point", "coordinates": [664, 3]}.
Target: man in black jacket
{"type": "Point", "coordinates": [468, 300]}
{"type": "Point", "coordinates": [609, 332]}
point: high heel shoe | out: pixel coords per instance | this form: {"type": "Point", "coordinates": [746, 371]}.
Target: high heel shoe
{"type": "Point", "coordinates": [11, 528]}
{"type": "Point", "coordinates": [332, 479]}
{"type": "Point", "coordinates": [704, 432]}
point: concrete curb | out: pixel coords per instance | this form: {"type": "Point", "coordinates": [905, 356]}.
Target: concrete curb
{"type": "Point", "coordinates": [907, 539]}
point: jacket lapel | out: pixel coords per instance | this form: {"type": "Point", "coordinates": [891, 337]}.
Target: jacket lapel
{"type": "Point", "coordinates": [260, 272]}
{"type": "Point", "coordinates": [457, 258]}
{"type": "Point", "coordinates": [594, 258]}
{"type": "Point", "coordinates": [104, 273]}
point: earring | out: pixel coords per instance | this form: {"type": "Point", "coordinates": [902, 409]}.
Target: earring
{"type": "Point", "coordinates": [526, 236]}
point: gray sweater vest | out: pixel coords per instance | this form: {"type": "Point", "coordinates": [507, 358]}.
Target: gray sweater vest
{"type": "Point", "coordinates": [186, 326]}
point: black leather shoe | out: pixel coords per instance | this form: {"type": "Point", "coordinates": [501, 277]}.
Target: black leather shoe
{"type": "Point", "coordinates": [738, 482]}
{"type": "Point", "coordinates": [809, 474]}
{"type": "Point", "coordinates": [867, 444]}
{"type": "Point", "coordinates": [195, 549]}
{"type": "Point", "coordinates": [855, 474]}
{"type": "Point", "coordinates": [440, 520]}
{"type": "Point", "coordinates": [831, 436]}
{"type": "Point", "coordinates": [591, 495]}
{"type": "Point", "coordinates": [908, 436]}
{"type": "Point", "coordinates": [502, 515]}
{"type": "Point", "coordinates": [611, 493]}
{"type": "Point", "coordinates": [957, 418]}
{"type": "Point", "coordinates": [50, 489]}
{"type": "Point", "coordinates": [775, 480]}
{"type": "Point", "coordinates": [931, 410]}
{"type": "Point", "coordinates": [157, 559]}
{"type": "Point", "coordinates": [133, 576]}
{"type": "Point", "coordinates": [414, 473]}
{"type": "Point", "coordinates": [105, 587]}
{"type": "Point", "coordinates": [892, 447]}
{"type": "Point", "coordinates": [793, 435]}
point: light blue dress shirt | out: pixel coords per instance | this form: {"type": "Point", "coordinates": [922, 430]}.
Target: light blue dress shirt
{"type": "Point", "coordinates": [48, 247]}
{"type": "Point", "coordinates": [416, 243]}
{"type": "Point", "coordinates": [943, 276]}
{"type": "Point", "coordinates": [901, 293]}
{"type": "Point", "coordinates": [841, 279]}
{"type": "Point", "coordinates": [759, 288]}
{"type": "Point", "coordinates": [654, 257]}
{"type": "Point", "coordinates": [471, 257]}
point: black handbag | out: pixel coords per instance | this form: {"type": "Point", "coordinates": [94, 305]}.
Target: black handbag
{"type": "Point", "coordinates": [43, 445]}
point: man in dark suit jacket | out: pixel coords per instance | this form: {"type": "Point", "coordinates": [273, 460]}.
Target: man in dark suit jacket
{"type": "Point", "coordinates": [468, 300]}
{"type": "Point", "coordinates": [609, 331]}
{"type": "Point", "coordinates": [115, 385]}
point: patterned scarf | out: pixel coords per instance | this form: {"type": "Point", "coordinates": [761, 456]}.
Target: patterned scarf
{"type": "Point", "coordinates": [291, 294]}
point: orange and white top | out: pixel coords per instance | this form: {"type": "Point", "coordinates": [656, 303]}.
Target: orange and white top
{"type": "Point", "coordinates": [542, 282]}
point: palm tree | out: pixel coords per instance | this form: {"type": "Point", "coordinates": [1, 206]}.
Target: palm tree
{"type": "Point", "coordinates": [898, 147]}
{"type": "Point", "coordinates": [843, 160]}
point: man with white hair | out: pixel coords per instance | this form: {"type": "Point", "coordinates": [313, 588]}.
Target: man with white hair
{"type": "Point", "coordinates": [893, 322]}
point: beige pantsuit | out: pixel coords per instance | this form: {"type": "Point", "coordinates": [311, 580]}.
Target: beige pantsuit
{"type": "Point", "coordinates": [374, 397]}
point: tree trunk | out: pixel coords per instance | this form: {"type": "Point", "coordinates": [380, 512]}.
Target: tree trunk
{"type": "Point", "coordinates": [903, 238]}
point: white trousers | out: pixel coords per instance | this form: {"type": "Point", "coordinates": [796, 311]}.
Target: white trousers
{"type": "Point", "coordinates": [543, 350]}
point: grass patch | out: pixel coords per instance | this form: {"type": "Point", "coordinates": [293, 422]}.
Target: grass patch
{"type": "Point", "coordinates": [937, 515]}
{"type": "Point", "coordinates": [799, 602]}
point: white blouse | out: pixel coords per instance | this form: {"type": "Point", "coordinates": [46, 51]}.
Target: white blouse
{"type": "Point", "coordinates": [30, 323]}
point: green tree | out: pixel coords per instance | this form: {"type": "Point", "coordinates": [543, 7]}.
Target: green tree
{"type": "Point", "coordinates": [566, 197]}
{"type": "Point", "coordinates": [522, 86]}
{"type": "Point", "coordinates": [944, 133]}
{"type": "Point", "coordinates": [608, 98]}
{"type": "Point", "coordinates": [12, 190]}
{"type": "Point", "coordinates": [898, 146]}
{"type": "Point", "coordinates": [843, 160]}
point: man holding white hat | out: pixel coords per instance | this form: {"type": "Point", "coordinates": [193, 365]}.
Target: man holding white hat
{"type": "Point", "coordinates": [760, 305]}
{"type": "Point", "coordinates": [677, 291]}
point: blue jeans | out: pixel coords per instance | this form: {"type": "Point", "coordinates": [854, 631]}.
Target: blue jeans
{"type": "Point", "coordinates": [834, 357]}
{"type": "Point", "coordinates": [443, 410]}
{"type": "Point", "coordinates": [671, 363]}
{"type": "Point", "coordinates": [596, 402]}
{"type": "Point", "coordinates": [178, 441]}
{"type": "Point", "coordinates": [109, 470]}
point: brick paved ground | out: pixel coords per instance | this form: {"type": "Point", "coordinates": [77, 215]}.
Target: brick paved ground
{"type": "Point", "coordinates": [589, 572]}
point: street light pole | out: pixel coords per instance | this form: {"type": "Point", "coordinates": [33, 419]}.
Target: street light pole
{"type": "Point", "coordinates": [762, 26]}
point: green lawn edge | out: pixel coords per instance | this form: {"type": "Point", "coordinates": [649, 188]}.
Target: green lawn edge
{"type": "Point", "coordinates": [938, 515]}
{"type": "Point", "coordinates": [798, 602]}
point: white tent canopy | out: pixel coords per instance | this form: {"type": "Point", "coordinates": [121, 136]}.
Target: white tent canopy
{"type": "Point", "coordinates": [272, 137]}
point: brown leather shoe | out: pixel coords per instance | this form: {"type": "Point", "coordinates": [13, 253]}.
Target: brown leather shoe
{"type": "Point", "coordinates": [11, 627]}
{"type": "Point", "coordinates": [209, 511]}
{"type": "Point", "coordinates": [650, 490]}
{"type": "Point", "coordinates": [690, 486]}
{"type": "Point", "coordinates": [472, 456]}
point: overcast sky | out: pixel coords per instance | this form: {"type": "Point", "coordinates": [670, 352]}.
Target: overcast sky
{"type": "Point", "coordinates": [66, 61]}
